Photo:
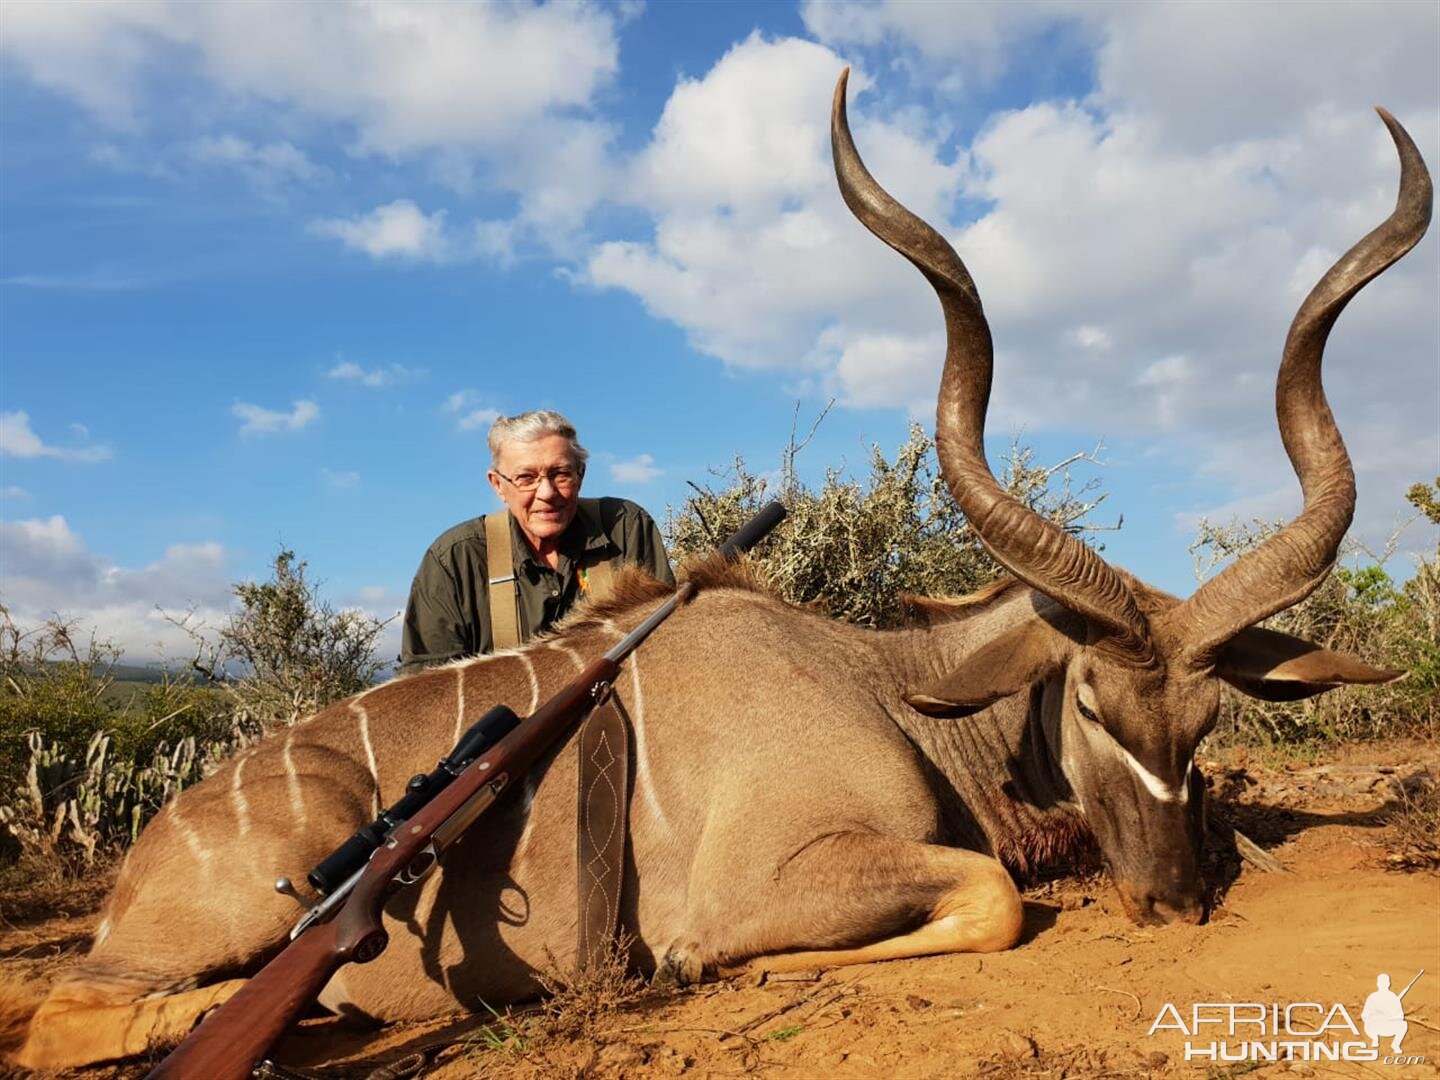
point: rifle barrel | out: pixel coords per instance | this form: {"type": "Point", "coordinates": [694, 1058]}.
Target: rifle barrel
{"type": "Point", "coordinates": [1411, 983]}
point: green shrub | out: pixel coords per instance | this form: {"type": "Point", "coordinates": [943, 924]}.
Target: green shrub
{"type": "Point", "coordinates": [70, 808]}
{"type": "Point", "coordinates": [286, 653]}
{"type": "Point", "coordinates": [1359, 609]}
{"type": "Point", "coordinates": [855, 548]}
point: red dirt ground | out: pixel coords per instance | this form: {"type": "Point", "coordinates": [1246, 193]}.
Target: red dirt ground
{"type": "Point", "coordinates": [1075, 999]}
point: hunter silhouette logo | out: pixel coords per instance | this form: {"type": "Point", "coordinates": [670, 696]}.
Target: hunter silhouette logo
{"type": "Point", "coordinates": [1384, 1015]}
{"type": "Point", "coordinates": [1299, 1031]}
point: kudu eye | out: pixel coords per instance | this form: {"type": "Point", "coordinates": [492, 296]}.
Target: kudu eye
{"type": "Point", "coordinates": [1085, 710]}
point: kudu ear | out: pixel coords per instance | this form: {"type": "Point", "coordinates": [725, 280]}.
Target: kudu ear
{"type": "Point", "coordinates": [1272, 666]}
{"type": "Point", "coordinates": [1003, 666]}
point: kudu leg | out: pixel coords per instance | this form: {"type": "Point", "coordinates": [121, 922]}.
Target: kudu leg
{"type": "Point", "coordinates": [81, 1023]}
{"type": "Point", "coordinates": [855, 898]}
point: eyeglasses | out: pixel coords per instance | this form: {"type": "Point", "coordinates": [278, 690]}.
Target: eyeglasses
{"type": "Point", "coordinates": [560, 479]}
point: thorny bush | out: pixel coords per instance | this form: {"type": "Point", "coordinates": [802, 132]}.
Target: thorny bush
{"type": "Point", "coordinates": [286, 653]}
{"type": "Point", "coordinates": [854, 549]}
{"type": "Point", "coordinates": [1359, 609]}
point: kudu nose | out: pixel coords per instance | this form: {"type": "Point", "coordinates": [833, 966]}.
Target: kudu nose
{"type": "Point", "coordinates": [1161, 909]}
{"type": "Point", "coordinates": [1156, 908]}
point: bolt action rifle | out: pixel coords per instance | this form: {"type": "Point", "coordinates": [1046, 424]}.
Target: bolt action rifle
{"type": "Point", "coordinates": [400, 848]}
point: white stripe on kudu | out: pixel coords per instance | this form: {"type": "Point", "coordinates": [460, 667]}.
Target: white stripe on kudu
{"type": "Point", "coordinates": [534, 683]}
{"type": "Point", "coordinates": [460, 702]}
{"type": "Point", "coordinates": [644, 783]}
{"type": "Point", "coordinates": [192, 841]}
{"type": "Point", "coordinates": [237, 797]}
{"type": "Point", "coordinates": [527, 799]}
{"type": "Point", "coordinates": [574, 656]}
{"type": "Point", "coordinates": [292, 783]}
{"type": "Point", "coordinates": [1153, 784]}
{"type": "Point", "coordinates": [359, 711]}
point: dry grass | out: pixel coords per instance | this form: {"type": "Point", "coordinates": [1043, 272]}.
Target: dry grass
{"type": "Point", "coordinates": [575, 1002]}
{"type": "Point", "coordinates": [41, 890]}
{"type": "Point", "coordinates": [1414, 843]}
{"type": "Point", "coordinates": [541, 1039]}
{"type": "Point", "coordinates": [854, 547]}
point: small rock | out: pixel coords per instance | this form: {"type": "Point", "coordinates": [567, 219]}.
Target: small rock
{"type": "Point", "coordinates": [1016, 1047]}
{"type": "Point", "coordinates": [619, 1057]}
{"type": "Point", "coordinates": [672, 1061]}
{"type": "Point", "coordinates": [1157, 1059]}
{"type": "Point", "coordinates": [915, 1001]}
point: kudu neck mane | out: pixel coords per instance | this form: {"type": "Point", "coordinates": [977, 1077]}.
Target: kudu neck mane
{"type": "Point", "coordinates": [998, 789]}
{"type": "Point", "coordinates": [999, 786]}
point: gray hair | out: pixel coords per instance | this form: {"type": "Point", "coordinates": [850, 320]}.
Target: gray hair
{"type": "Point", "coordinates": [529, 426]}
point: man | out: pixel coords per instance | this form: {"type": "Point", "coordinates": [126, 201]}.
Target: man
{"type": "Point", "coordinates": [467, 598]}
{"type": "Point", "coordinates": [1384, 1014]}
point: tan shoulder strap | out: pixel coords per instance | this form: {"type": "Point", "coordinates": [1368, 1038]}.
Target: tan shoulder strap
{"type": "Point", "coordinates": [500, 569]}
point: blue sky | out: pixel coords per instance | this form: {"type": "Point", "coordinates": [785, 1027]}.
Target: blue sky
{"type": "Point", "coordinates": [266, 270]}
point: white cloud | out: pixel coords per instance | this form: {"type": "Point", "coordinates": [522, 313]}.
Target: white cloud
{"type": "Point", "coordinates": [396, 230]}
{"type": "Point", "coordinates": [343, 479]}
{"type": "Point", "coordinates": [267, 165]}
{"type": "Point", "coordinates": [982, 36]}
{"type": "Point", "coordinates": [384, 603]}
{"type": "Point", "coordinates": [18, 440]}
{"type": "Point", "coordinates": [1170, 380]}
{"type": "Point", "coordinates": [505, 86]}
{"type": "Point", "coordinates": [262, 421]}
{"type": "Point", "coordinates": [1200, 80]}
{"type": "Point", "coordinates": [477, 418]}
{"type": "Point", "coordinates": [14, 491]}
{"type": "Point", "coordinates": [1139, 253]}
{"type": "Point", "coordinates": [375, 378]}
{"type": "Point", "coordinates": [495, 240]}
{"type": "Point", "coordinates": [469, 413]}
{"type": "Point", "coordinates": [99, 281]}
{"type": "Point", "coordinates": [640, 469]}
{"type": "Point", "coordinates": [396, 70]}
{"type": "Point", "coordinates": [884, 370]}
{"type": "Point", "coordinates": [753, 253]}
{"type": "Point", "coordinates": [47, 569]}
{"type": "Point", "coordinates": [1090, 337]}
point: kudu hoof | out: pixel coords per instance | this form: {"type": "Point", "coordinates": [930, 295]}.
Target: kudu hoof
{"type": "Point", "coordinates": [681, 966]}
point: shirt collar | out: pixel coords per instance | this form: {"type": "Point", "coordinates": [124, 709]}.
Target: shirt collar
{"type": "Point", "coordinates": [584, 533]}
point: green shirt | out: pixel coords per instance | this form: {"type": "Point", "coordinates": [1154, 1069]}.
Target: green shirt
{"type": "Point", "coordinates": [448, 614]}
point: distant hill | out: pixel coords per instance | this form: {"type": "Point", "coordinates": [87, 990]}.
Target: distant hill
{"type": "Point", "coordinates": [137, 673]}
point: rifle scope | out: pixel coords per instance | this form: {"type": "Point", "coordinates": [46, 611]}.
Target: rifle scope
{"type": "Point", "coordinates": [337, 867]}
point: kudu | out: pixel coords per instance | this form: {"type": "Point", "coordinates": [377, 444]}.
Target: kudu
{"type": "Point", "coordinates": [803, 790]}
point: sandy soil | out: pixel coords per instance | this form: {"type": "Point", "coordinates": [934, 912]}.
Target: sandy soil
{"type": "Point", "coordinates": [1076, 999]}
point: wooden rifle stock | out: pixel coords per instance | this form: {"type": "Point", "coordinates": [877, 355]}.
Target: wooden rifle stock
{"type": "Point", "coordinates": [233, 1039]}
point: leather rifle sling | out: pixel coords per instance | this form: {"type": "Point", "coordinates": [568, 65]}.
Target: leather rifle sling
{"type": "Point", "coordinates": [602, 811]}
{"type": "Point", "coordinates": [500, 570]}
